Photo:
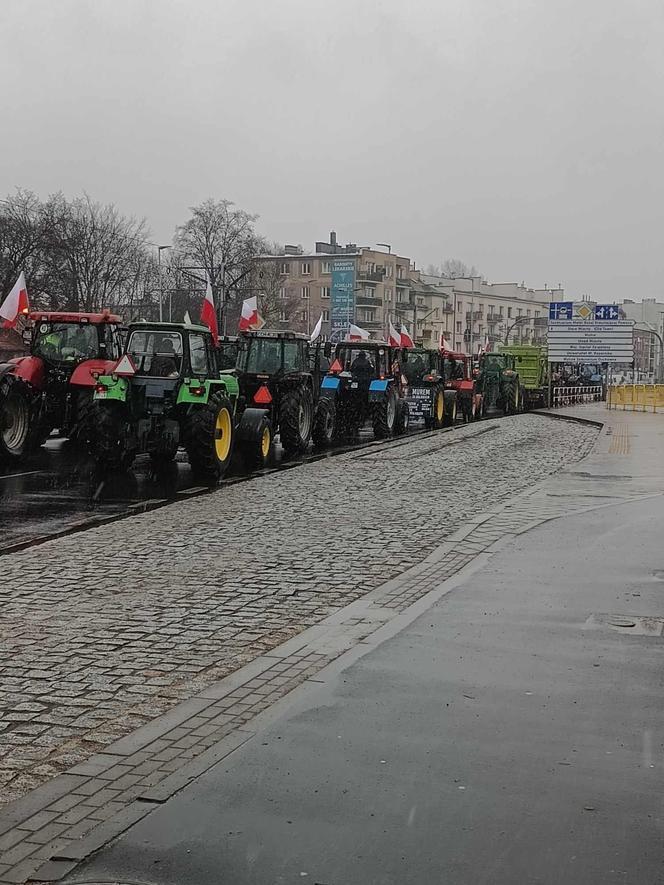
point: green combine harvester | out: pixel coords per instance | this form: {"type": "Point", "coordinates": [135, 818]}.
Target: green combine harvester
{"type": "Point", "coordinates": [533, 369]}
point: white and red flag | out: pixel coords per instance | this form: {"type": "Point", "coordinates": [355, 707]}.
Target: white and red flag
{"type": "Point", "coordinates": [406, 340]}
{"type": "Point", "coordinates": [393, 337]}
{"type": "Point", "coordinates": [209, 314]}
{"type": "Point", "coordinates": [355, 333]}
{"type": "Point", "coordinates": [15, 304]}
{"type": "Point", "coordinates": [250, 318]}
{"type": "Point", "coordinates": [444, 343]}
{"type": "Point", "coordinates": [317, 329]}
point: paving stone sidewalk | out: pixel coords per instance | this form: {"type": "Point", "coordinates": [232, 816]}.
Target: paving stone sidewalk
{"type": "Point", "coordinates": [104, 631]}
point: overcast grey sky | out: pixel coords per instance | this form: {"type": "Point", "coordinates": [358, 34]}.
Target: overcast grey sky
{"type": "Point", "coordinates": [524, 136]}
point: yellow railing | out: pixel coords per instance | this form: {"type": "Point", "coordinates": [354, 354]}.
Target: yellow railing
{"type": "Point", "coordinates": [637, 397]}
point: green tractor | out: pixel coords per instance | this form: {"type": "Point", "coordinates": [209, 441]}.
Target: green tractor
{"type": "Point", "coordinates": [498, 381]}
{"type": "Point", "coordinates": [426, 394]}
{"type": "Point", "coordinates": [165, 392]}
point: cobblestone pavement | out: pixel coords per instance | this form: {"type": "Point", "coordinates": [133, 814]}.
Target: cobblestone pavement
{"type": "Point", "coordinates": [103, 631]}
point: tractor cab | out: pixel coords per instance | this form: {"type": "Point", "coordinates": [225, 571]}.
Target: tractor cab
{"type": "Point", "coordinates": [357, 363]}
{"type": "Point", "coordinates": [228, 347]}
{"type": "Point", "coordinates": [420, 364]}
{"type": "Point", "coordinates": [270, 362]}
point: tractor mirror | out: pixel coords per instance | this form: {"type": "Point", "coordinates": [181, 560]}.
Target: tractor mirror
{"type": "Point", "coordinates": [327, 349]}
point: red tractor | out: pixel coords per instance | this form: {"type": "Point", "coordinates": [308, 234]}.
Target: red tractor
{"type": "Point", "coordinates": [53, 386]}
{"type": "Point", "coordinates": [459, 377]}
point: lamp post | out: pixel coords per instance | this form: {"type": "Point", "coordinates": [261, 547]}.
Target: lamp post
{"type": "Point", "coordinates": [516, 322]}
{"type": "Point", "coordinates": [161, 286]}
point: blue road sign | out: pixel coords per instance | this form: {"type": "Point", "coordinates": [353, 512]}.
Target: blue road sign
{"type": "Point", "coordinates": [561, 310]}
{"type": "Point", "coordinates": [607, 312]}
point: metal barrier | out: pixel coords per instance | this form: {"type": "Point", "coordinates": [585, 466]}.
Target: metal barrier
{"type": "Point", "coordinates": [636, 397]}
{"type": "Point", "coordinates": [572, 396]}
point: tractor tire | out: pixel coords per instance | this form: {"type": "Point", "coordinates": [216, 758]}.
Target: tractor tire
{"type": "Point", "coordinates": [324, 424]}
{"type": "Point", "coordinates": [82, 432]}
{"type": "Point", "coordinates": [295, 420]}
{"type": "Point", "coordinates": [111, 452]}
{"type": "Point", "coordinates": [438, 411]}
{"type": "Point", "coordinates": [385, 415]}
{"type": "Point", "coordinates": [209, 436]}
{"type": "Point", "coordinates": [16, 405]}
{"type": "Point", "coordinates": [402, 421]}
{"type": "Point", "coordinates": [450, 413]}
{"type": "Point", "coordinates": [255, 438]}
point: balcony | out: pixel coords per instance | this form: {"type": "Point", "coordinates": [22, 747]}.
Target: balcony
{"type": "Point", "coordinates": [476, 315]}
{"type": "Point", "coordinates": [494, 318]}
{"type": "Point", "coordinates": [371, 276]}
{"type": "Point", "coordinates": [368, 301]}
{"type": "Point", "coordinates": [405, 283]}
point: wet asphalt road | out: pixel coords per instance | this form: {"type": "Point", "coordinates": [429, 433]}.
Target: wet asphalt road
{"type": "Point", "coordinates": [58, 490]}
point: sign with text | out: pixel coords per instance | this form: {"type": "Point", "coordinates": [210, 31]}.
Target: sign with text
{"type": "Point", "coordinates": [342, 297]}
{"type": "Point", "coordinates": [580, 341]}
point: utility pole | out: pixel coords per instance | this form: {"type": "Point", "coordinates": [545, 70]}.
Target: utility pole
{"type": "Point", "coordinates": [161, 286]}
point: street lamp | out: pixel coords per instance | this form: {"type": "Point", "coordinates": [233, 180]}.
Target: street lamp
{"type": "Point", "coordinates": [517, 322]}
{"type": "Point", "coordinates": [161, 287]}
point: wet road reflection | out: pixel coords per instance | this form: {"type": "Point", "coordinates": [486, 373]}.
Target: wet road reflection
{"type": "Point", "coordinates": [58, 489]}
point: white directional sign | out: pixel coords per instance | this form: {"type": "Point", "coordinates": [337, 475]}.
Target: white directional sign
{"type": "Point", "coordinates": [578, 341]}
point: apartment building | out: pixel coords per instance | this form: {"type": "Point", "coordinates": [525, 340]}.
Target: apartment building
{"type": "Point", "coordinates": [386, 287]}
{"type": "Point", "coordinates": [381, 281]}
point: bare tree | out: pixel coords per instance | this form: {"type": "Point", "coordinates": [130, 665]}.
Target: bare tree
{"type": "Point", "coordinates": [91, 254]}
{"type": "Point", "coordinates": [452, 268]}
{"type": "Point", "coordinates": [220, 239]}
{"type": "Point", "coordinates": [21, 233]}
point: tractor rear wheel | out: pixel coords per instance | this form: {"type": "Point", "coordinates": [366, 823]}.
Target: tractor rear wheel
{"type": "Point", "coordinates": [296, 420]}
{"type": "Point", "coordinates": [15, 409]}
{"type": "Point", "coordinates": [438, 416]}
{"type": "Point", "coordinates": [209, 436]}
{"type": "Point", "coordinates": [402, 420]}
{"type": "Point", "coordinates": [449, 416]}
{"type": "Point", "coordinates": [324, 423]}
{"type": "Point", "coordinates": [83, 427]}
{"type": "Point", "coordinates": [385, 414]}
{"type": "Point", "coordinates": [111, 450]}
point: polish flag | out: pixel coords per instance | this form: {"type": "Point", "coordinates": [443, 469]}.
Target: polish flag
{"type": "Point", "coordinates": [317, 329]}
{"type": "Point", "coordinates": [393, 337]}
{"type": "Point", "coordinates": [444, 343]}
{"type": "Point", "coordinates": [487, 344]}
{"type": "Point", "coordinates": [355, 333]}
{"type": "Point", "coordinates": [15, 304]}
{"type": "Point", "coordinates": [209, 314]}
{"type": "Point", "coordinates": [250, 318]}
{"type": "Point", "coordinates": [406, 340]}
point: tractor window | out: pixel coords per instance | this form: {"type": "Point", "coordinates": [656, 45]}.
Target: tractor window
{"type": "Point", "coordinates": [66, 342]}
{"type": "Point", "coordinates": [415, 365]}
{"type": "Point", "coordinates": [156, 354]}
{"type": "Point", "coordinates": [292, 361]}
{"type": "Point", "coordinates": [227, 353]}
{"type": "Point", "coordinates": [198, 355]}
{"type": "Point", "coordinates": [262, 356]}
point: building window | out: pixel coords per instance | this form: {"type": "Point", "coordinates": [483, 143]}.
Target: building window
{"type": "Point", "coordinates": [305, 267]}
{"type": "Point", "coordinates": [460, 306]}
{"type": "Point", "coordinates": [527, 313]}
{"type": "Point", "coordinates": [519, 311]}
{"type": "Point", "coordinates": [285, 267]}
{"type": "Point", "coordinates": [480, 309]}
{"type": "Point", "coordinates": [400, 296]}
{"type": "Point", "coordinates": [282, 293]}
{"type": "Point", "coordinates": [492, 308]}
{"type": "Point", "coordinates": [389, 270]}
{"type": "Point", "coordinates": [459, 328]}
{"type": "Point", "coordinates": [369, 315]}
{"type": "Point", "coordinates": [435, 313]}
{"type": "Point", "coordinates": [537, 313]}
{"type": "Point", "coordinates": [399, 272]}
{"type": "Point", "coordinates": [282, 315]}
{"type": "Point", "coordinates": [326, 316]}
{"type": "Point", "coordinates": [324, 291]}
{"type": "Point", "coordinates": [509, 313]}
{"type": "Point", "coordinates": [304, 291]}
{"type": "Point", "coordinates": [420, 301]}
{"type": "Point", "coordinates": [500, 310]}
{"type": "Point", "coordinates": [368, 292]}
{"type": "Point", "coordinates": [388, 293]}
{"type": "Point", "coordinates": [325, 267]}
{"type": "Point", "coordinates": [303, 316]}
